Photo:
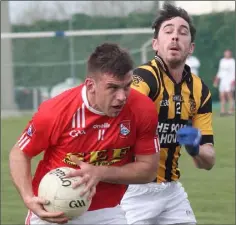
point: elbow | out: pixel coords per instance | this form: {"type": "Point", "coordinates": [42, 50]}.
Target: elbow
{"type": "Point", "coordinates": [153, 169]}
{"type": "Point", "coordinates": [151, 175]}
{"type": "Point", "coordinates": [211, 164]}
{"type": "Point", "coordinates": [207, 158]}
{"type": "Point", "coordinates": [148, 168]}
{"type": "Point", "coordinates": [208, 165]}
{"type": "Point", "coordinates": [149, 178]}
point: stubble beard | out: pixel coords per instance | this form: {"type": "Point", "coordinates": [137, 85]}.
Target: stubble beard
{"type": "Point", "coordinates": [175, 63]}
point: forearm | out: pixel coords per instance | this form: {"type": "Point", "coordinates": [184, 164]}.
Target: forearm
{"type": "Point", "coordinates": [132, 173]}
{"type": "Point", "coordinates": [216, 81]}
{"type": "Point", "coordinates": [206, 157]}
{"type": "Point", "coordinates": [20, 169]}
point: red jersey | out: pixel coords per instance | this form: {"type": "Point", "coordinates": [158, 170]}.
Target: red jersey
{"type": "Point", "coordinates": [66, 125]}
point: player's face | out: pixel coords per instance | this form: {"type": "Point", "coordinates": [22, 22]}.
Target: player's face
{"type": "Point", "coordinates": [174, 41]}
{"type": "Point", "coordinates": [111, 93]}
{"type": "Point", "coordinates": [227, 54]}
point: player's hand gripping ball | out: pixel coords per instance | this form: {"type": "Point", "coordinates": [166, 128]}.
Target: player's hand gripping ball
{"type": "Point", "coordinates": [58, 190]}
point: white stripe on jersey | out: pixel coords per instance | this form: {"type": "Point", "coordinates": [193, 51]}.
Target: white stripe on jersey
{"type": "Point", "coordinates": [83, 116]}
{"type": "Point", "coordinates": [101, 133]}
{"type": "Point", "coordinates": [25, 144]}
{"type": "Point", "coordinates": [22, 136]}
{"type": "Point", "coordinates": [73, 121]}
{"type": "Point", "coordinates": [23, 141]}
{"type": "Point", "coordinates": [78, 119]}
{"type": "Point", "coordinates": [157, 144]}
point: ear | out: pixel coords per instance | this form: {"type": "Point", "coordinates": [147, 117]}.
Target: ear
{"type": "Point", "coordinates": [155, 44]}
{"type": "Point", "coordinates": [191, 49]}
{"type": "Point", "coordinates": [90, 84]}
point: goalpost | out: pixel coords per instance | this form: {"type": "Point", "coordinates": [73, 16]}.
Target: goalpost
{"type": "Point", "coordinates": [136, 40]}
{"type": "Point", "coordinates": [76, 33]}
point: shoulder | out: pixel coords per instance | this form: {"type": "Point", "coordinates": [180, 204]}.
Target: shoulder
{"type": "Point", "coordinates": [62, 103]}
{"type": "Point", "coordinates": [223, 61]}
{"type": "Point", "coordinates": [143, 111]}
{"type": "Point", "coordinates": [196, 78]}
{"type": "Point", "coordinates": [147, 70]}
{"type": "Point", "coordinates": [146, 76]}
{"type": "Point", "coordinates": [200, 89]}
{"type": "Point", "coordinates": [140, 104]}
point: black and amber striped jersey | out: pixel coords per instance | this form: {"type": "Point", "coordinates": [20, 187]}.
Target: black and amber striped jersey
{"type": "Point", "coordinates": [177, 105]}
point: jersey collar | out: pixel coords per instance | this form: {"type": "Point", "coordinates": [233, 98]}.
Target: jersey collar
{"type": "Point", "coordinates": [187, 76]}
{"type": "Point", "coordinates": [85, 100]}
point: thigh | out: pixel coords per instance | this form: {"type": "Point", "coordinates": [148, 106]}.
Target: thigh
{"type": "Point", "coordinates": [105, 216]}
{"type": "Point", "coordinates": [223, 87]}
{"type": "Point", "coordinates": [178, 209]}
{"type": "Point", "coordinates": [143, 203]}
{"type": "Point", "coordinates": [32, 219]}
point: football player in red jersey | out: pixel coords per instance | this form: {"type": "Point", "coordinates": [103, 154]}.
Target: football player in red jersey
{"type": "Point", "coordinates": [98, 127]}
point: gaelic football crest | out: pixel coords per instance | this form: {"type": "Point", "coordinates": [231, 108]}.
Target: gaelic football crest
{"type": "Point", "coordinates": [136, 80]}
{"type": "Point", "coordinates": [124, 128]}
{"type": "Point", "coordinates": [192, 106]}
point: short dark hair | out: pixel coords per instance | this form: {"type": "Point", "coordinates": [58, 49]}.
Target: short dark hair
{"type": "Point", "coordinates": [168, 12]}
{"type": "Point", "coordinates": [109, 58]}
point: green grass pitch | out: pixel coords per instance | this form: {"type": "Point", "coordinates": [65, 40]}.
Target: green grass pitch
{"type": "Point", "coordinates": [211, 193]}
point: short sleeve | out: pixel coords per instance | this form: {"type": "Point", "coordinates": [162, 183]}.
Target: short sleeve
{"type": "Point", "coordinates": [203, 119]}
{"type": "Point", "coordinates": [219, 72]}
{"type": "Point", "coordinates": [232, 69]}
{"type": "Point", "coordinates": [145, 81]}
{"type": "Point", "coordinates": [147, 138]}
{"type": "Point", "coordinates": [36, 137]}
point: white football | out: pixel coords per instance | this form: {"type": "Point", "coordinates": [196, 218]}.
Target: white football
{"type": "Point", "coordinates": [58, 190]}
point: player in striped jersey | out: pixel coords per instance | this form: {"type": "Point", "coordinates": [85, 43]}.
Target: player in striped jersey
{"type": "Point", "coordinates": [181, 99]}
{"type": "Point", "coordinates": [98, 127]}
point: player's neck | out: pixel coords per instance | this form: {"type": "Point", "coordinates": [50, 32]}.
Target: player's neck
{"type": "Point", "coordinates": [92, 101]}
{"type": "Point", "coordinates": [176, 72]}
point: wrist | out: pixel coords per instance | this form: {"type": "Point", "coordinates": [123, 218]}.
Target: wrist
{"type": "Point", "coordinates": [101, 172]}
{"type": "Point", "coordinates": [27, 198]}
{"type": "Point", "coordinates": [192, 150]}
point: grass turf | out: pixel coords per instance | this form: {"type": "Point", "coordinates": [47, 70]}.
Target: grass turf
{"type": "Point", "coordinates": [211, 193]}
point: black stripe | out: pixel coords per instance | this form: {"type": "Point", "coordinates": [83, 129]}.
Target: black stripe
{"type": "Point", "coordinates": [177, 166]}
{"type": "Point", "coordinates": [163, 113]}
{"type": "Point", "coordinates": [207, 107]}
{"type": "Point", "coordinates": [169, 162]}
{"type": "Point", "coordinates": [191, 98]}
{"type": "Point", "coordinates": [177, 103]}
{"type": "Point", "coordinates": [158, 84]}
{"type": "Point", "coordinates": [149, 78]}
{"type": "Point", "coordinates": [205, 92]}
{"type": "Point", "coordinates": [173, 148]}
{"type": "Point", "coordinates": [207, 139]}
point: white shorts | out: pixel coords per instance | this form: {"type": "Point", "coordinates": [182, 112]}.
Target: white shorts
{"type": "Point", "coordinates": [102, 216]}
{"type": "Point", "coordinates": [153, 203]}
{"type": "Point", "coordinates": [225, 86]}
